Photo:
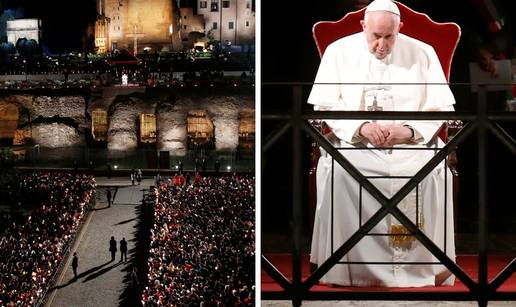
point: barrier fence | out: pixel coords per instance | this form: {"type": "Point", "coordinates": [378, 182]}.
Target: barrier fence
{"type": "Point", "coordinates": [480, 123]}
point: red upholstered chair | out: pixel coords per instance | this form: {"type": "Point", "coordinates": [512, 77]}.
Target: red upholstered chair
{"type": "Point", "coordinates": [443, 37]}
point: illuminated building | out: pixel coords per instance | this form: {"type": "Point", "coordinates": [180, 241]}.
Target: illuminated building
{"type": "Point", "coordinates": [137, 24]}
{"type": "Point", "coordinates": [230, 21]}
{"type": "Point", "coordinates": [23, 28]}
{"type": "Point", "coordinates": [156, 25]}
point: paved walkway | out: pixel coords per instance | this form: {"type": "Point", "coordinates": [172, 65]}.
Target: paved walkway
{"type": "Point", "coordinates": [100, 282]}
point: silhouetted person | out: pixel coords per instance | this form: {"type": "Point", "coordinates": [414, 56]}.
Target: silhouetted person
{"type": "Point", "coordinates": [75, 167]}
{"type": "Point", "coordinates": [66, 73]}
{"type": "Point", "coordinates": [108, 195]}
{"type": "Point", "coordinates": [132, 177]}
{"type": "Point", "coordinates": [75, 264]}
{"type": "Point", "coordinates": [123, 249]}
{"type": "Point", "coordinates": [139, 176]}
{"type": "Point", "coordinates": [217, 166]}
{"type": "Point", "coordinates": [91, 166]}
{"type": "Point", "coordinates": [109, 170]}
{"type": "Point", "coordinates": [180, 167]}
{"type": "Point", "coordinates": [112, 248]}
{"type": "Point", "coordinates": [204, 165]}
{"type": "Point", "coordinates": [197, 164]}
{"type": "Point", "coordinates": [157, 180]}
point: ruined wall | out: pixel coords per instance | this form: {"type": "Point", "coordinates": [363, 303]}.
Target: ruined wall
{"type": "Point", "coordinates": [56, 135]}
{"type": "Point", "coordinates": [63, 121]}
{"type": "Point", "coordinates": [222, 110]}
{"type": "Point", "coordinates": [124, 116]}
{"type": "Point", "coordinates": [56, 121]}
{"type": "Point", "coordinates": [225, 110]}
{"type": "Point", "coordinates": [171, 122]}
{"type": "Point", "coordinates": [62, 106]}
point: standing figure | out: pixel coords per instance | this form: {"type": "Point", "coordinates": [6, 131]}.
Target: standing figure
{"type": "Point", "coordinates": [108, 196]}
{"type": "Point", "coordinates": [123, 250]}
{"type": "Point", "coordinates": [204, 165]}
{"type": "Point", "coordinates": [75, 264]}
{"type": "Point", "coordinates": [125, 79]}
{"type": "Point", "coordinates": [112, 248]}
{"type": "Point", "coordinates": [139, 176]}
{"type": "Point", "coordinates": [91, 167]}
{"type": "Point", "coordinates": [217, 166]}
{"type": "Point", "coordinates": [75, 167]}
{"type": "Point", "coordinates": [197, 164]}
{"type": "Point", "coordinates": [158, 179]}
{"type": "Point", "coordinates": [180, 166]}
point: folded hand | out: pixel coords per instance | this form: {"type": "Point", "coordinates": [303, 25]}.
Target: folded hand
{"type": "Point", "coordinates": [385, 135]}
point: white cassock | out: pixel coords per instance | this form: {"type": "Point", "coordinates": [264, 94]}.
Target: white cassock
{"type": "Point", "coordinates": [411, 61]}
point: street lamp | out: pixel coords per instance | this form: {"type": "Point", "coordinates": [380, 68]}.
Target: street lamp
{"type": "Point", "coordinates": [25, 69]}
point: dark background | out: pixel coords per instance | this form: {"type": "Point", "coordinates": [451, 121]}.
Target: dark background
{"type": "Point", "coordinates": [64, 22]}
{"type": "Point", "coordinates": [288, 54]}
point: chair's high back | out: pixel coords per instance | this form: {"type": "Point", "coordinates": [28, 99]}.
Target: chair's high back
{"type": "Point", "coordinates": [444, 37]}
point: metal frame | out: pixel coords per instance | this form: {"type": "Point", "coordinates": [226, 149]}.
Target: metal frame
{"type": "Point", "coordinates": [481, 291]}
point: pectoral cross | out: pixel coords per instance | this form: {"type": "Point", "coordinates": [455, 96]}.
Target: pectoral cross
{"type": "Point", "coordinates": [374, 107]}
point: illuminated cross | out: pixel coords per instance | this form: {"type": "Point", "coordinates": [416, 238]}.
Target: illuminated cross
{"type": "Point", "coordinates": [136, 35]}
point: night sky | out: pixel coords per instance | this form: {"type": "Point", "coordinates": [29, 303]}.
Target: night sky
{"type": "Point", "coordinates": [64, 21]}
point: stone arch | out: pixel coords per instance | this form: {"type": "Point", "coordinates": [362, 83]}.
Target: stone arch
{"type": "Point", "coordinates": [99, 124]}
{"type": "Point", "coordinates": [200, 129]}
{"type": "Point", "coordinates": [246, 129]}
{"type": "Point", "coordinates": [148, 128]}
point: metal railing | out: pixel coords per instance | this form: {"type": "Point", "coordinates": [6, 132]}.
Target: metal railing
{"type": "Point", "coordinates": [480, 122]}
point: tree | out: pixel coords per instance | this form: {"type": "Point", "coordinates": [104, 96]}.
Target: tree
{"type": "Point", "coordinates": [27, 47]}
{"type": "Point", "coordinates": [5, 50]}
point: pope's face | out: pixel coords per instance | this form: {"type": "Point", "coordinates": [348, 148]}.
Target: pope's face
{"type": "Point", "coordinates": [380, 29]}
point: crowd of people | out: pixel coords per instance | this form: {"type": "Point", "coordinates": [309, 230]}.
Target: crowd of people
{"type": "Point", "coordinates": [96, 81]}
{"type": "Point", "coordinates": [32, 246]}
{"type": "Point", "coordinates": [153, 70]}
{"type": "Point", "coordinates": [202, 244]}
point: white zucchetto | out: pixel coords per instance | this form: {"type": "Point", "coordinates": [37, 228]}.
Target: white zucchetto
{"type": "Point", "coordinates": [383, 5]}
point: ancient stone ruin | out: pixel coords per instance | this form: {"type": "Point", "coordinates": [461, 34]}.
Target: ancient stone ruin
{"type": "Point", "coordinates": [64, 120]}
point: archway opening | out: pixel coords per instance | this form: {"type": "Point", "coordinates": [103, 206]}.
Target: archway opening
{"type": "Point", "coordinates": [200, 130]}
{"type": "Point", "coordinates": [247, 128]}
